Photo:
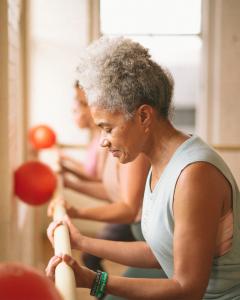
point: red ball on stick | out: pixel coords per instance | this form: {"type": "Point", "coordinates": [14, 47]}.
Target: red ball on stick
{"type": "Point", "coordinates": [35, 183]}
{"type": "Point", "coordinates": [41, 137]}
{"type": "Point", "coordinates": [20, 282]}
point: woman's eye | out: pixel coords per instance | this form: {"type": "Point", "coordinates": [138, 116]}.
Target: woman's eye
{"type": "Point", "coordinates": [108, 130]}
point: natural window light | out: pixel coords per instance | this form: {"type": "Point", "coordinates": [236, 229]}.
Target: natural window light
{"type": "Point", "coordinates": [150, 17]}
{"type": "Point", "coordinates": [171, 30]}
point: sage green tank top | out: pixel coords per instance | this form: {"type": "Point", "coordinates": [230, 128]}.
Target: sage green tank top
{"type": "Point", "coordinates": [158, 220]}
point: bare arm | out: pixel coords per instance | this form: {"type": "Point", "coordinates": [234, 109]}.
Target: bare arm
{"type": "Point", "coordinates": [132, 180]}
{"type": "Point", "coordinates": [94, 189]}
{"type": "Point", "coordinates": [134, 254]}
{"type": "Point", "coordinates": [191, 206]}
{"type": "Point", "coordinates": [137, 254]}
{"type": "Point", "coordinates": [75, 167]}
{"type": "Point", "coordinates": [118, 212]}
{"type": "Point", "coordinates": [198, 206]}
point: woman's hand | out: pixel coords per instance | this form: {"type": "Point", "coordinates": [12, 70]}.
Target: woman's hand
{"type": "Point", "coordinates": [71, 211]}
{"type": "Point", "coordinates": [72, 166]}
{"type": "Point", "coordinates": [68, 162]}
{"type": "Point", "coordinates": [51, 206]}
{"type": "Point", "coordinates": [72, 182]}
{"type": "Point", "coordinates": [52, 264]}
{"type": "Point", "coordinates": [75, 236]}
{"type": "Point", "coordinates": [83, 276]}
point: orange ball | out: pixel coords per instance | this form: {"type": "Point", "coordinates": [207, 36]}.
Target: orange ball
{"type": "Point", "coordinates": [41, 137]}
{"type": "Point", "coordinates": [35, 182]}
{"type": "Point", "coordinates": [20, 282]}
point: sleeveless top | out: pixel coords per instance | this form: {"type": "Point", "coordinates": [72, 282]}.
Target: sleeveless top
{"type": "Point", "coordinates": [91, 162]}
{"type": "Point", "coordinates": [158, 219]}
{"type": "Point", "coordinates": [225, 234]}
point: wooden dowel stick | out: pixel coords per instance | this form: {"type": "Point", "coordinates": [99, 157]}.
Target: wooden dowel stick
{"type": "Point", "coordinates": [64, 275]}
{"type": "Point", "coordinates": [225, 147]}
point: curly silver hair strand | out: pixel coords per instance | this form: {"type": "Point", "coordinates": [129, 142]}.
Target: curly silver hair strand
{"type": "Point", "coordinates": [118, 74]}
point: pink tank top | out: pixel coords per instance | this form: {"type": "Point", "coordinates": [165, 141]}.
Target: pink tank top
{"type": "Point", "coordinates": [224, 235]}
{"type": "Point", "coordinates": [90, 164]}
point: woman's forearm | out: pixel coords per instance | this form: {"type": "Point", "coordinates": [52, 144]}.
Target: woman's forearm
{"type": "Point", "coordinates": [90, 188]}
{"type": "Point", "coordinates": [134, 254]}
{"type": "Point", "coordinates": [118, 212]}
{"type": "Point", "coordinates": [142, 289]}
{"type": "Point", "coordinates": [79, 172]}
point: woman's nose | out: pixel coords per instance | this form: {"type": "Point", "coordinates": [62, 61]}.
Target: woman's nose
{"type": "Point", "coordinates": [104, 142]}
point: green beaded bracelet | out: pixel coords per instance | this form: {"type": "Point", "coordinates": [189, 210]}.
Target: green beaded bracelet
{"type": "Point", "coordinates": [99, 284]}
{"type": "Point", "coordinates": [102, 286]}
{"type": "Point", "coordinates": [96, 283]}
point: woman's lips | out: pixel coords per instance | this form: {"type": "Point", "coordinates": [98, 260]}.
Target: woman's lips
{"type": "Point", "coordinates": [115, 153]}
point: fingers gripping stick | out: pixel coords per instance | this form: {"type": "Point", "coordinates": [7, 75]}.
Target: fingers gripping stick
{"type": "Point", "coordinates": [64, 275]}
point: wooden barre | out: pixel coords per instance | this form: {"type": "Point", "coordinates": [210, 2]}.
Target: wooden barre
{"type": "Point", "coordinates": [226, 147]}
{"type": "Point", "coordinates": [64, 275]}
{"type": "Point", "coordinates": [71, 146]}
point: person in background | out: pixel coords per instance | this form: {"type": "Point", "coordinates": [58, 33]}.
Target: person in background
{"type": "Point", "coordinates": [92, 167]}
{"type": "Point", "coordinates": [191, 207]}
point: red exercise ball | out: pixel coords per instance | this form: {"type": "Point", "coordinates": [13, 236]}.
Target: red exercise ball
{"type": "Point", "coordinates": [20, 282]}
{"type": "Point", "coordinates": [41, 137]}
{"type": "Point", "coordinates": [35, 183]}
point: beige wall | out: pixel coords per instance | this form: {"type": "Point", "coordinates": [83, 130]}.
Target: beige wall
{"type": "Point", "coordinates": [4, 142]}
{"type": "Point", "coordinates": [57, 31]}
{"type": "Point", "coordinates": [16, 219]}
{"type": "Point", "coordinates": [219, 110]}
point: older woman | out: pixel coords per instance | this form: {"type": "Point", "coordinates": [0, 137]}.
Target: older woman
{"type": "Point", "coordinates": [190, 217]}
{"type": "Point", "coordinates": [119, 187]}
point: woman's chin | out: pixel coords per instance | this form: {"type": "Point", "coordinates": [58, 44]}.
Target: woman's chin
{"type": "Point", "coordinates": [124, 159]}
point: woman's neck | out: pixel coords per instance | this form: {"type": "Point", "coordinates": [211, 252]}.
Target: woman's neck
{"type": "Point", "coordinates": [163, 142]}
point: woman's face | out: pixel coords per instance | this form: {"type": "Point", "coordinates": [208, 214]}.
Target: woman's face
{"type": "Point", "coordinates": [82, 113]}
{"type": "Point", "coordinates": [123, 138]}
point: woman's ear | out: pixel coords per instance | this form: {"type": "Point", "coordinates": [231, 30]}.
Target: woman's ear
{"type": "Point", "coordinates": [145, 113]}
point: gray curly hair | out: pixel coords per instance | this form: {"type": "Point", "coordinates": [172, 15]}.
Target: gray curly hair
{"type": "Point", "coordinates": [118, 74]}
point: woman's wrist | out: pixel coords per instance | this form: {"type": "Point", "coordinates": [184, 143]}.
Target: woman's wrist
{"type": "Point", "coordinates": [89, 278]}
{"type": "Point", "coordinates": [79, 242]}
{"type": "Point", "coordinates": [80, 184]}
{"type": "Point", "coordinates": [74, 212]}
{"type": "Point", "coordinates": [80, 212]}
